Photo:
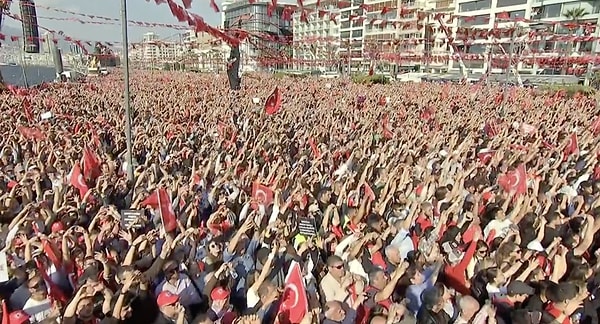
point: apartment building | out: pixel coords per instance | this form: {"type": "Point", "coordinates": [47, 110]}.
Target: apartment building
{"type": "Point", "coordinates": [261, 19]}
{"type": "Point", "coordinates": [317, 41]}
{"type": "Point", "coordinates": [526, 16]}
{"type": "Point", "coordinates": [385, 34]}
{"type": "Point", "coordinates": [154, 51]}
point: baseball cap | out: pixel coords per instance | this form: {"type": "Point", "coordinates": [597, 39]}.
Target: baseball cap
{"type": "Point", "coordinates": [518, 287]}
{"type": "Point", "coordinates": [219, 293]}
{"type": "Point", "coordinates": [18, 317]}
{"type": "Point", "coordinates": [166, 298]}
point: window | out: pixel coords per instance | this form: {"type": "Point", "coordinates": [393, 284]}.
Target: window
{"type": "Point", "coordinates": [357, 33]}
{"type": "Point", "coordinates": [506, 3]}
{"type": "Point", "coordinates": [517, 14]}
{"type": "Point", "coordinates": [475, 20]}
{"type": "Point", "coordinates": [345, 24]}
{"type": "Point", "coordinates": [474, 5]}
{"type": "Point", "coordinates": [551, 11]}
{"type": "Point", "coordinates": [345, 35]}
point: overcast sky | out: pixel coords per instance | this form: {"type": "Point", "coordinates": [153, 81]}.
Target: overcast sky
{"type": "Point", "coordinates": [139, 10]}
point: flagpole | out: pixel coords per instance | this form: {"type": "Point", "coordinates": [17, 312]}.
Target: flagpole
{"type": "Point", "coordinates": [128, 156]}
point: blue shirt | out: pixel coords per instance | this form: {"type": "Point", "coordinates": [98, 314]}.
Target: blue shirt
{"type": "Point", "coordinates": [413, 292]}
{"type": "Point", "coordinates": [243, 265]}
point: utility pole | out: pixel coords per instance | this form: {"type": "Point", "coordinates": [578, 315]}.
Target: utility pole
{"type": "Point", "coordinates": [128, 156]}
{"type": "Point", "coordinates": [349, 59]}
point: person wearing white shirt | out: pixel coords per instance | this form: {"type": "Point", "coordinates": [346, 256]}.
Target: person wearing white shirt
{"type": "Point", "coordinates": [38, 306]}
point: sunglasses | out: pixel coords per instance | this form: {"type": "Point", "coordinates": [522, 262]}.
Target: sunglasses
{"type": "Point", "coordinates": [339, 266]}
{"type": "Point", "coordinates": [38, 285]}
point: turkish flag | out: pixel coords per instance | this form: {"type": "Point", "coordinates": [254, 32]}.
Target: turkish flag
{"type": "Point", "coordinates": [262, 194]}
{"type": "Point", "coordinates": [160, 201]}
{"type": "Point", "coordinates": [596, 126]}
{"type": "Point", "coordinates": [485, 155]}
{"type": "Point", "coordinates": [5, 318]}
{"type": "Point", "coordinates": [31, 132]}
{"type": "Point", "coordinates": [572, 146]}
{"type": "Point", "coordinates": [514, 181]}
{"type": "Point", "coordinates": [77, 181]}
{"type": "Point", "coordinates": [294, 301]}
{"type": "Point", "coordinates": [91, 164]}
{"type": "Point", "coordinates": [214, 6]}
{"type": "Point", "coordinates": [273, 103]}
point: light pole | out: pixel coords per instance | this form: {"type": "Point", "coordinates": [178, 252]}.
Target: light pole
{"type": "Point", "coordinates": [128, 155]}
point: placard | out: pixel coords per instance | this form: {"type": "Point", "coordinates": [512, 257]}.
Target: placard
{"type": "Point", "coordinates": [307, 226]}
{"type": "Point", "coordinates": [130, 218]}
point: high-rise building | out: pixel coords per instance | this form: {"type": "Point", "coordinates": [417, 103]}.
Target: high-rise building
{"type": "Point", "coordinates": [383, 34]}
{"type": "Point", "coordinates": [560, 20]}
{"type": "Point", "coordinates": [272, 44]}
{"type": "Point", "coordinates": [317, 42]}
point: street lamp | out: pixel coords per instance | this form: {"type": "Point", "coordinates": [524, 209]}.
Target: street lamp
{"type": "Point", "coordinates": [128, 155]}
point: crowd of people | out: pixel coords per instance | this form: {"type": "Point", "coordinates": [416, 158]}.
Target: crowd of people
{"type": "Point", "coordinates": [423, 203]}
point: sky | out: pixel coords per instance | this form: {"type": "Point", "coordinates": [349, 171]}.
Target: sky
{"type": "Point", "coordinates": [138, 10]}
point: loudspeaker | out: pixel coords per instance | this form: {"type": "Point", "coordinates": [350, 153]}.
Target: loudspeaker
{"type": "Point", "coordinates": [233, 69]}
{"type": "Point", "coordinates": [31, 35]}
{"type": "Point", "coordinates": [57, 58]}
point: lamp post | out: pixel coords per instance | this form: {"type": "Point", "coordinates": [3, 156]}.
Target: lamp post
{"type": "Point", "coordinates": [128, 155]}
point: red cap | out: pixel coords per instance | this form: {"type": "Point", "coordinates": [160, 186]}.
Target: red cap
{"type": "Point", "coordinates": [166, 298]}
{"type": "Point", "coordinates": [219, 293]}
{"type": "Point", "coordinates": [18, 317]}
{"type": "Point", "coordinates": [57, 227]}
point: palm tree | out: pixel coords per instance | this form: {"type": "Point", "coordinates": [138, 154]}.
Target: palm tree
{"type": "Point", "coordinates": [574, 15]}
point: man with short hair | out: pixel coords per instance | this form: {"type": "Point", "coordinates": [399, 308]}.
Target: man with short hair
{"type": "Point", "coordinates": [335, 283]}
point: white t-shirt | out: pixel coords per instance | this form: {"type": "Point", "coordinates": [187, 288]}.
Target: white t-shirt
{"type": "Point", "coordinates": [252, 298]}
{"type": "Point", "coordinates": [500, 227]}
{"type": "Point", "coordinates": [37, 310]}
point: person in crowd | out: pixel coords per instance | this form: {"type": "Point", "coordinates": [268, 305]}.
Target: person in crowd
{"type": "Point", "coordinates": [326, 204]}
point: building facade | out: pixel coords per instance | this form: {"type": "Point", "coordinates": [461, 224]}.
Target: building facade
{"type": "Point", "coordinates": [545, 28]}
{"type": "Point", "coordinates": [385, 35]}
{"type": "Point", "coordinates": [318, 40]}
{"type": "Point", "coordinates": [154, 52]}
{"type": "Point", "coordinates": [271, 34]}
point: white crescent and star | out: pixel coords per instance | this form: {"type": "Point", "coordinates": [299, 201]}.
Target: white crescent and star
{"type": "Point", "coordinates": [292, 287]}
{"type": "Point", "coordinates": [261, 195]}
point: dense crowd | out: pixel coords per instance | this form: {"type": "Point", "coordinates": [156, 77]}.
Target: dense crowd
{"type": "Point", "coordinates": [405, 203]}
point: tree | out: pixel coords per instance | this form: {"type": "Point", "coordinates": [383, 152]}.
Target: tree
{"type": "Point", "coordinates": [574, 15]}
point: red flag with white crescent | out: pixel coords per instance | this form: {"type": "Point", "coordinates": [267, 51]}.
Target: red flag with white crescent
{"type": "Point", "coordinates": [262, 194]}
{"type": "Point", "coordinates": [167, 214]}
{"type": "Point", "coordinates": [485, 155]}
{"type": "Point", "coordinates": [77, 180]}
{"type": "Point", "coordinates": [273, 103]}
{"type": "Point", "coordinates": [294, 301]}
{"type": "Point", "coordinates": [514, 181]}
{"type": "Point", "coordinates": [572, 146]}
